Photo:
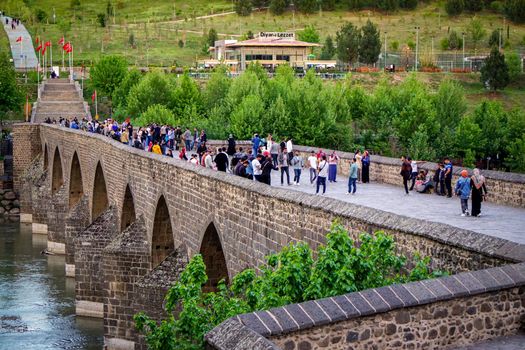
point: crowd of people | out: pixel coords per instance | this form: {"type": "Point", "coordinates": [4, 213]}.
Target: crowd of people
{"type": "Point", "coordinates": [441, 183]}
{"type": "Point", "coordinates": [267, 155]}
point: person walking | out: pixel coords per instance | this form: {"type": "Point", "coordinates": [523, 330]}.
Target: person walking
{"type": "Point", "coordinates": [312, 164]}
{"type": "Point", "coordinates": [322, 173]}
{"type": "Point", "coordinates": [256, 141]}
{"type": "Point", "coordinates": [231, 147]}
{"type": "Point", "coordinates": [352, 177]}
{"type": "Point", "coordinates": [406, 173]}
{"type": "Point", "coordinates": [267, 168]}
{"type": "Point", "coordinates": [462, 190]}
{"type": "Point", "coordinates": [448, 176]}
{"type": "Point", "coordinates": [297, 165]}
{"type": "Point", "coordinates": [289, 148]}
{"type": "Point", "coordinates": [359, 161]}
{"type": "Point", "coordinates": [188, 139]}
{"type": "Point", "coordinates": [332, 167]}
{"type": "Point", "coordinates": [284, 166]}
{"type": "Point", "coordinates": [413, 176]}
{"type": "Point", "coordinates": [221, 159]}
{"type": "Point", "coordinates": [365, 171]}
{"type": "Point", "coordinates": [479, 191]}
{"type": "Point", "coordinates": [274, 151]}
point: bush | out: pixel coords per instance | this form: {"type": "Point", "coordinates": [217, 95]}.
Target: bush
{"type": "Point", "coordinates": [101, 19]}
{"type": "Point", "coordinates": [497, 6]}
{"type": "Point", "coordinates": [158, 114]}
{"type": "Point", "coordinates": [513, 62]}
{"type": "Point", "coordinates": [454, 7]}
{"type": "Point", "coordinates": [108, 73]}
{"type": "Point", "coordinates": [290, 276]}
{"type": "Point", "coordinates": [40, 15]}
{"type": "Point", "coordinates": [515, 10]}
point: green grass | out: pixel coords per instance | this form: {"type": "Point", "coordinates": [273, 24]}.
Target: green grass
{"type": "Point", "coordinates": [158, 26]}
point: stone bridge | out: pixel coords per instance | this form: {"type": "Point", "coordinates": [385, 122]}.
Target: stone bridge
{"type": "Point", "coordinates": [128, 220]}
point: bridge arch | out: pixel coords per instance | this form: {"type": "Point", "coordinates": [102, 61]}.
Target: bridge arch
{"type": "Point", "coordinates": [76, 187]}
{"type": "Point", "coordinates": [57, 179]}
{"type": "Point", "coordinates": [46, 157]}
{"type": "Point", "coordinates": [213, 256]}
{"type": "Point", "coordinates": [162, 237]}
{"type": "Point", "coordinates": [128, 209]}
{"type": "Point", "coordinates": [99, 201]}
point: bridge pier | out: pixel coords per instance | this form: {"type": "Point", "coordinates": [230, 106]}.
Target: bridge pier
{"type": "Point", "coordinates": [124, 261]}
{"type": "Point", "coordinates": [76, 222]}
{"type": "Point", "coordinates": [58, 210]}
{"type": "Point", "coordinates": [89, 278]}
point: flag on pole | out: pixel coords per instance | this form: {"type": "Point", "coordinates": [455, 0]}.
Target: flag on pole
{"type": "Point", "coordinates": [44, 50]}
{"type": "Point", "coordinates": [37, 39]}
{"type": "Point", "coordinates": [66, 46]}
{"type": "Point", "coordinates": [19, 39]}
{"type": "Point", "coordinates": [39, 47]}
{"type": "Point", "coordinates": [61, 41]}
{"type": "Point", "coordinates": [48, 43]}
{"type": "Point", "coordinates": [94, 96]}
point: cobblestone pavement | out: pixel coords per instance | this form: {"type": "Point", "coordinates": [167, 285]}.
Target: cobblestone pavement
{"type": "Point", "coordinates": [23, 54]}
{"type": "Point", "coordinates": [496, 220]}
{"type": "Point", "coordinates": [514, 342]}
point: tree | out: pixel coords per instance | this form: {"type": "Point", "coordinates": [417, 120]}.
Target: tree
{"type": "Point", "coordinates": [120, 95]}
{"type": "Point", "coordinates": [454, 7]}
{"type": "Point", "coordinates": [243, 7]}
{"type": "Point", "coordinates": [370, 44]}
{"type": "Point", "coordinates": [307, 6]}
{"type": "Point", "coordinates": [101, 19]}
{"type": "Point", "coordinates": [328, 5]}
{"type": "Point", "coordinates": [473, 5]}
{"type": "Point", "coordinates": [309, 34]}
{"type": "Point", "coordinates": [328, 51]}
{"type": "Point", "coordinates": [516, 158]}
{"type": "Point", "coordinates": [387, 5]}
{"type": "Point", "coordinates": [408, 4]}
{"type": "Point", "coordinates": [494, 38]}
{"type": "Point", "coordinates": [455, 42]}
{"type": "Point", "coordinates": [158, 114]}
{"type": "Point", "coordinates": [348, 38]}
{"type": "Point", "coordinates": [74, 4]}
{"type": "Point", "coordinates": [212, 37]}
{"type": "Point", "coordinates": [108, 73]}
{"type": "Point", "coordinates": [494, 72]}
{"type": "Point", "coordinates": [515, 10]}
{"type": "Point", "coordinates": [154, 88]}
{"type": "Point", "coordinates": [277, 7]}
{"type": "Point", "coordinates": [476, 31]}
{"type": "Point", "coordinates": [11, 97]}
{"type": "Point", "coordinates": [513, 62]}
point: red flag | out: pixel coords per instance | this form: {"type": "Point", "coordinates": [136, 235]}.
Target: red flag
{"type": "Point", "coordinates": [94, 96]}
{"type": "Point", "coordinates": [66, 46]}
{"type": "Point", "coordinates": [39, 48]}
{"type": "Point", "coordinates": [48, 44]}
{"type": "Point", "coordinates": [61, 41]}
{"type": "Point", "coordinates": [44, 50]}
{"type": "Point", "coordinates": [37, 39]}
{"type": "Point", "coordinates": [19, 39]}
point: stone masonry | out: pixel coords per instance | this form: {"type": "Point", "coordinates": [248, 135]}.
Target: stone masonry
{"type": "Point", "coordinates": [249, 221]}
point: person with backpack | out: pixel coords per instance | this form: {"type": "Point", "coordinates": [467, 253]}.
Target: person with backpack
{"type": "Point", "coordinates": [322, 173]}
{"type": "Point", "coordinates": [462, 190]}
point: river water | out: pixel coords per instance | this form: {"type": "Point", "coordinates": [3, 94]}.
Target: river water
{"type": "Point", "coordinates": [37, 301]}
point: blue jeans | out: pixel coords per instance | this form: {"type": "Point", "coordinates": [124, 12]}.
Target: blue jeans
{"type": "Point", "coordinates": [297, 175]}
{"type": "Point", "coordinates": [321, 181]}
{"type": "Point", "coordinates": [352, 182]}
{"type": "Point", "coordinates": [188, 145]}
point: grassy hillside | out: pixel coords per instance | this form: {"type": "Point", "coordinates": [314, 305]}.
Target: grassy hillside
{"type": "Point", "coordinates": [148, 33]}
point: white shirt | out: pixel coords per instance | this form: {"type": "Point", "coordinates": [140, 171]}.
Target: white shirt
{"type": "Point", "coordinates": [323, 168]}
{"type": "Point", "coordinates": [256, 165]}
{"type": "Point", "coordinates": [289, 146]}
{"type": "Point", "coordinates": [312, 160]}
{"type": "Point", "coordinates": [414, 166]}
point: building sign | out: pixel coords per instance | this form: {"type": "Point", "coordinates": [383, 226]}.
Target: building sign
{"type": "Point", "coordinates": [277, 35]}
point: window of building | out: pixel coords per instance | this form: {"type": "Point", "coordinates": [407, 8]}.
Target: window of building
{"type": "Point", "coordinates": [259, 57]}
{"type": "Point", "coordinates": [283, 58]}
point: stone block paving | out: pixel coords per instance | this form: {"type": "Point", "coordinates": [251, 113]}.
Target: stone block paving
{"type": "Point", "coordinates": [496, 220]}
{"type": "Point", "coordinates": [513, 342]}
{"type": "Point", "coordinates": [24, 55]}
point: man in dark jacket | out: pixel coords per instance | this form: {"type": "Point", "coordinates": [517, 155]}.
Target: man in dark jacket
{"type": "Point", "coordinates": [231, 146]}
{"type": "Point", "coordinates": [221, 160]}
{"type": "Point", "coordinates": [266, 170]}
{"type": "Point", "coordinates": [406, 172]}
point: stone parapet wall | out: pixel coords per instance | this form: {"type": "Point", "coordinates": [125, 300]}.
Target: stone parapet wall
{"type": "Point", "coordinates": [432, 314]}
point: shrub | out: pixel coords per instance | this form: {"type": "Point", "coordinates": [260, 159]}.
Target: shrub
{"type": "Point", "coordinates": [454, 7]}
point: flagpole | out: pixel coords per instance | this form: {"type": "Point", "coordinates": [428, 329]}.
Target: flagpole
{"type": "Point", "coordinates": [21, 47]}
{"type": "Point", "coordinates": [51, 54]}
{"type": "Point", "coordinates": [96, 103]}
{"type": "Point", "coordinates": [63, 65]}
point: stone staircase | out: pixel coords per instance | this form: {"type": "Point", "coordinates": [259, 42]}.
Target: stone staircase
{"type": "Point", "coordinates": [59, 98]}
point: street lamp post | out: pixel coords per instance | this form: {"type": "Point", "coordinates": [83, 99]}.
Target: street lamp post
{"type": "Point", "coordinates": [385, 52]}
{"type": "Point", "coordinates": [463, 35]}
{"type": "Point", "coordinates": [417, 47]}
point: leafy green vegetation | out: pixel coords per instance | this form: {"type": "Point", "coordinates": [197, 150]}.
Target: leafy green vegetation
{"type": "Point", "coordinates": [293, 275]}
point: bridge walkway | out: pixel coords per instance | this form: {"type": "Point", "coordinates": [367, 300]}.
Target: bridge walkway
{"type": "Point", "coordinates": [24, 55]}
